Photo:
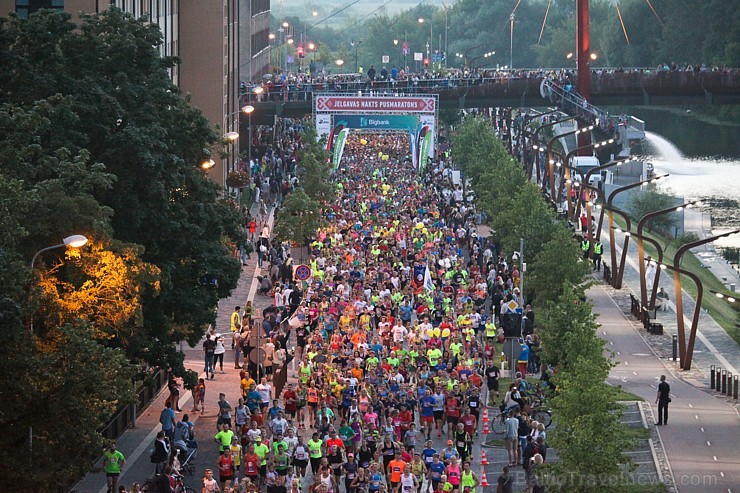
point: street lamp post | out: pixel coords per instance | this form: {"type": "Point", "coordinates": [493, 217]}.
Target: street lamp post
{"type": "Point", "coordinates": [618, 273]}
{"type": "Point", "coordinates": [511, 42]}
{"type": "Point", "coordinates": [248, 110]}
{"type": "Point", "coordinates": [74, 241]}
{"type": "Point", "coordinates": [641, 246]}
{"type": "Point", "coordinates": [688, 353]}
{"type": "Point", "coordinates": [355, 44]}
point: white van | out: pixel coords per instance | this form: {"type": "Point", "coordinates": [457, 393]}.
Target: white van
{"type": "Point", "coordinates": [584, 164]}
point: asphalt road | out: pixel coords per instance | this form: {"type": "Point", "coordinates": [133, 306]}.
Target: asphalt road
{"type": "Point", "coordinates": [701, 439]}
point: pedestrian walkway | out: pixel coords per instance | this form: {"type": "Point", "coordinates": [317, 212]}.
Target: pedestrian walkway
{"type": "Point", "coordinates": [713, 345]}
{"type": "Point", "coordinates": [135, 443]}
{"type": "Point", "coordinates": [698, 454]}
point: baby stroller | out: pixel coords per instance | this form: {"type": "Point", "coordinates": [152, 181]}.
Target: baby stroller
{"type": "Point", "coordinates": [187, 452]}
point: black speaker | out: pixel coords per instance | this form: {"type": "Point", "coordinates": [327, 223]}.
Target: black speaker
{"type": "Point", "coordinates": [512, 324]}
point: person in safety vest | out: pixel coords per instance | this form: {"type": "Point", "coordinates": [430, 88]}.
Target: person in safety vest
{"type": "Point", "coordinates": [598, 250]}
{"type": "Point", "coordinates": [585, 247]}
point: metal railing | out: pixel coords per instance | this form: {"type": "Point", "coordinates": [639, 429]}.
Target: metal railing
{"type": "Point", "coordinates": [145, 393]}
{"type": "Point", "coordinates": [615, 83]}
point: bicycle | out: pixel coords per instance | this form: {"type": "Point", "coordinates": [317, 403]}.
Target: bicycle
{"type": "Point", "coordinates": [180, 487]}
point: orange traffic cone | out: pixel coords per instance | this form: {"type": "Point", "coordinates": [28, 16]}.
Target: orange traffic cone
{"type": "Point", "coordinates": [483, 459]}
{"type": "Point", "coordinates": [486, 430]}
{"type": "Point", "coordinates": [485, 415]}
{"type": "Point", "coordinates": [483, 479]}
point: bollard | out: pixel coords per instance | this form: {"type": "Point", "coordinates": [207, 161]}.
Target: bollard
{"type": "Point", "coordinates": [724, 382]}
{"type": "Point", "coordinates": [729, 384]}
{"type": "Point", "coordinates": [675, 354]}
{"type": "Point", "coordinates": [711, 370]}
{"type": "Point", "coordinates": [734, 393]}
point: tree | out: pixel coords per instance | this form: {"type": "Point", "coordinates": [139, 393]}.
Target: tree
{"type": "Point", "coordinates": [119, 104]}
{"type": "Point", "coordinates": [298, 219]}
{"type": "Point", "coordinates": [589, 438]}
{"type": "Point", "coordinates": [525, 215]}
{"type": "Point", "coordinates": [644, 202]}
{"type": "Point", "coordinates": [568, 331]}
{"type": "Point", "coordinates": [65, 387]}
{"type": "Point", "coordinates": [558, 264]}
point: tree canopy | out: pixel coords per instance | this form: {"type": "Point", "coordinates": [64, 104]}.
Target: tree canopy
{"type": "Point", "coordinates": [97, 140]}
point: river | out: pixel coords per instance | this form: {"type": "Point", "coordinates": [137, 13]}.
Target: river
{"type": "Point", "coordinates": [702, 156]}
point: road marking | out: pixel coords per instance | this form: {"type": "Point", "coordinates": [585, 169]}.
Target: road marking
{"type": "Point", "coordinates": [690, 405]}
{"type": "Point", "coordinates": [611, 342]}
{"type": "Point", "coordinates": [708, 444]}
{"type": "Point", "coordinates": [722, 474]}
{"type": "Point", "coordinates": [618, 353]}
{"type": "Point", "coordinates": [634, 373]}
{"type": "Point", "coordinates": [715, 458]}
{"type": "Point", "coordinates": [603, 332]}
{"type": "Point", "coordinates": [626, 364]}
{"type": "Point", "coordinates": [702, 429]}
{"type": "Point", "coordinates": [696, 416]}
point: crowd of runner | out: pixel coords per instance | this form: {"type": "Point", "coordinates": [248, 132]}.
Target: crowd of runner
{"type": "Point", "coordinates": [376, 370]}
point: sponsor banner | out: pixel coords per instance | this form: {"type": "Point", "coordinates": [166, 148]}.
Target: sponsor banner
{"type": "Point", "coordinates": [426, 146]}
{"type": "Point", "coordinates": [377, 122]}
{"type": "Point", "coordinates": [339, 146]}
{"type": "Point", "coordinates": [354, 104]}
{"type": "Point", "coordinates": [323, 125]}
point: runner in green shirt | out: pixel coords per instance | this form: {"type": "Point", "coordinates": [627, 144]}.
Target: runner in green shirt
{"type": "Point", "coordinates": [113, 461]}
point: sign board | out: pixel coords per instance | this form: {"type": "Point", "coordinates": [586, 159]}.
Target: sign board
{"type": "Point", "coordinates": [289, 59]}
{"type": "Point", "coordinates": [380, 122]}
{"type": "Point", "coordinates": [405, 51]}
{"type": "Point", "coordinates": [386, 59]}
{"type": "Point", "coordinates": [374, 104]}
{"type": "Point", "coordinates": [302, 272]}
{"type": "Point", "coordinates": [436, 57]}
{"type": "Point", "coordinates": [418, 56]}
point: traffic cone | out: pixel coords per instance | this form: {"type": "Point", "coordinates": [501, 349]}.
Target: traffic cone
{"type": "Point", "coordinates": [483, 458]}
{"type": "Point", "coordinates": [483, 479]}
{"type": "Point", "coordinates": [486, 430]}
{"type": "Point", "coordinates": [485, 415]}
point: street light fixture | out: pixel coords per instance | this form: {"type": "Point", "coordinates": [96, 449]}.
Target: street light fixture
{"type": "Point", "coordinates": [688, 352]}
{"type": "Point", "coordinates": [248, 110]}
{"type": "Point", "coordinates": [232, 136]}
{"type": "Point", "coordinates": [285, 24]}
{"type": "Point", "coordinates": [641, 247]}
{"type": "Point", "coordinates": [73, 241]}
{"type": "Point", "coordinates": [314, 13]}
{"type": "Point", "coordinates": [208, 164]}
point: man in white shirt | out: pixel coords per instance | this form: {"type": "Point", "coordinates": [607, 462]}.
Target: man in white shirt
{"type": "Point", "coordinates": [399, 333]}
{"type": "Point", "coordinates": [265, 391]}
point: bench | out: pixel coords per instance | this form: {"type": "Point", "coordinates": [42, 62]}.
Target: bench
{"type": "Point", "coordinates": [649, 321]}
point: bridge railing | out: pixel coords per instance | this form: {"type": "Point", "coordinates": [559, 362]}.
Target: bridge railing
{"type": "Point", "coordinates": [632, 82]}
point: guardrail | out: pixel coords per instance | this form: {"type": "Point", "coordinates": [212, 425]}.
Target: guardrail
{"type": "Point", "coordinates": [145, 393]}
{"type": "Point", "coordinates": [615, 83]}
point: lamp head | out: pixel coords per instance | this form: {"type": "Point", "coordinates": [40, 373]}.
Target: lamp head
{"type": "Point", "coordinates": [75, 241]}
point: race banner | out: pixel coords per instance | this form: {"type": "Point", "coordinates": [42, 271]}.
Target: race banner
{"type": "Point", "coordinates": [374, 104]}
{"type": "Point", "coordinates": [426, 145]}
{"type": "Point", "coordinates": [339, 146]}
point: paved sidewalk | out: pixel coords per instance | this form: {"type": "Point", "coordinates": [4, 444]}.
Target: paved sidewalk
{"type": "Point", "coordinates": [713, 345]}
{"type": "Point", "coordinates": [700, 454]}
{"type": "Point", "coordinates": [135, 443]}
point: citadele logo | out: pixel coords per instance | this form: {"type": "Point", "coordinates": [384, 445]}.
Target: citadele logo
{"type": "Point", "coordinates": [363, 122]}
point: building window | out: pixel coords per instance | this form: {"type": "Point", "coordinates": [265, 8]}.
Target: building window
{"type": "Point", "coordinates": [24, 8]}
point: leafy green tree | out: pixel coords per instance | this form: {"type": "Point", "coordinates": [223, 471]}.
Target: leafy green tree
{"type": "Point", "coordinates": [568, 331]}
{"type": "Point", "coordinates": [298, 219]}
{"type": "Point", "coordinates": [558, 264]}
{"type": "Point", "coordinates": [121, 106]}
{"type": "Point", "coordinates": [644, 202]}
{"type": "Point", "coordinates": [589, 437]}
{"type": "Point", "coordinates": [527, 216]}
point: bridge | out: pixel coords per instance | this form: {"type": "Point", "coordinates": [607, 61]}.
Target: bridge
{"type": "Point", "coordinates": [633, 87]}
